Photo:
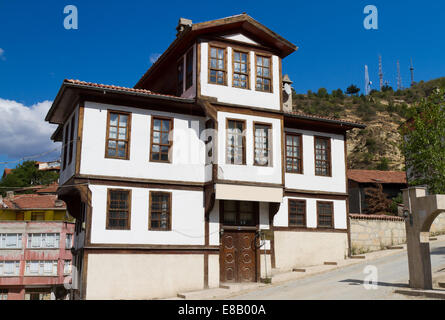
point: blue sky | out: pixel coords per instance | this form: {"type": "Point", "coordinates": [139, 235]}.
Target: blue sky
{"type": "Point", "coordinates": [117, 39]}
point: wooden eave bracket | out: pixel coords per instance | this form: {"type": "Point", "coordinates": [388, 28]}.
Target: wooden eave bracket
{"type": "Point", "coordinates": [209, 109]}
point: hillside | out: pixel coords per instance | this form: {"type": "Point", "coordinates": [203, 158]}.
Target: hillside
{"type": "Point", "coordinates": [377, 146]}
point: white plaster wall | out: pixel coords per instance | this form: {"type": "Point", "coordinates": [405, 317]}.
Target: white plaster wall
{"type": "Point", "coordinates": [233, 95]}
{"type": "Point", "coordinates": [281, 218]}
{"type": "Point", "coordinates": [240, 37]}
{"type": "Point", "coordinates": [308, 180]}
{"type": "Point", "coordinates": [188, 159]}
{"type": "Point", "coordinates": [302, 249]}
{"type": "Point", "coordinates": [190, 92]}
{"type": "Point", "coordinates": [249, 172]}
{"type": "Point", "coordinates": [214, 226]}
{"type": "Point", "coordinates": [187, 218]}
{"type": "Point", "coordinates": [70, 168]}
{"type": "Point", "coordinates": [213, 270]}
{"type": "Point", "coordinates": [143, 276]}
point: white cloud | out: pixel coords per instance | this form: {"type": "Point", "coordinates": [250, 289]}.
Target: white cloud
{"type": "Point", "coordinates": [154, 57]}
{"type": "Point", "coordinates": [2, 54]}
{"type": "Point", "coordinates": [24, 131]}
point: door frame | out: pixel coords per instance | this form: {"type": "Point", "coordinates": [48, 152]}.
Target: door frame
{"type": "Point", "coordinates": [255, 229]}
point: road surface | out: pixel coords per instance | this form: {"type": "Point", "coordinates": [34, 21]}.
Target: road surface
{"type": "Point", "coordinates": [348, 283]}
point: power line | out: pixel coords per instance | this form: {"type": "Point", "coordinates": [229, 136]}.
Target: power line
{"type": "Point", "coordinates": [40, 154]}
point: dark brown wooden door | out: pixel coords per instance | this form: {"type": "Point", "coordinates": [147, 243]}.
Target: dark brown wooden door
{"type": "Point", "coordinates": [238, 256]}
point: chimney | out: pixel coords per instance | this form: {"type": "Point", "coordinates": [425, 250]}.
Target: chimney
{"type": "Point", "coordinates": [10, 195]}
{"type": "Point", "coordinates": [183, 24]}
{"type": "Point", "coordinates": [287, 94]}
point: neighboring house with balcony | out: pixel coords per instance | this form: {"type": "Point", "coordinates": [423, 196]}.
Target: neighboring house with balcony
{"type": "Point", "coordinates": [36, 236]}
{"type": "Point", "coordinates": [176, 183]}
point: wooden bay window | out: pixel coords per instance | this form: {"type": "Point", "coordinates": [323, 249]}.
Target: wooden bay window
{"type": "Point", "coordinates": [189, 69]}
{"type": "Point", "coordinates": [71, 141]}
{"type": "Point", "coordinates": [119, 209]}
{"type": "Point", "coordinates": [118, 135]}
{"type": "Point", "coordinates": [160, 211]}
{"type": "Point", "coordinates": [297, 213]}
{"type": "Point", "coordinates": [180, 77]}
{"type": "Point", "coordinates": [262, 141]}
{"type": "Point", "coordinates": [325, 214]}
{"type": "Point", "coordinates": [294, 153]}
{"type": "Point", "coordinates": [65, 146]}
{"type": "Point", "coordinates": [217, 65]}
{"type": "Point", "coordinates": [322, 156]}
{"type": "Point", "coordinates": [263, 66]}
{"type": "Point", "coordinates": [161, 143]}
{"type": "Point", "coordinates": [235, 142]}
{"type": "Point", "coordinates": [241, 69]}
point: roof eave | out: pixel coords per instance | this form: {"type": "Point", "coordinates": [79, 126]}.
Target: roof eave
{"type": "Point", "coordinates": [66, 86]}
{"type": "Point", "coordinates": [350, 125]}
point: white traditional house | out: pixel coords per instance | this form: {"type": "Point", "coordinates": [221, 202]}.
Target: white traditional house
{"type": "Point", "coordinates": [201, 174]}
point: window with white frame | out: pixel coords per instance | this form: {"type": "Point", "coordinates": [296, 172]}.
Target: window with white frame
{"type": "Point", "coordinates": [10, 240]}
{"type": "Point", "coordinates": [43, 240]}
{"type": "Point", "coordinates": [41, 268]}
{"type": "Point", "coordinates": [67, 267]}
{"type": "Point", "coordinates": [9, 268]}
{"type": "Point", "coordinates": [68, 241]}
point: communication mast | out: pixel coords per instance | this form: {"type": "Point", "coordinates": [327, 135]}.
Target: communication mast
{"type": "Point", "coordinates": [380, 72]}
{"type": "Point", "coordinates": [367, 82]}
{"type": "Point", "coordinates": [412, 73]}
{"type": "Point", "coordinates": [399, 77]}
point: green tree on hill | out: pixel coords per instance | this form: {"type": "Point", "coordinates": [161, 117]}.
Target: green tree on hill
{"type": "Point", "coordinates": [424, 143]}
{"type": "Point", "coordinates": [27, 174]}
{"type": "Point", "coordinates": [352, 90]}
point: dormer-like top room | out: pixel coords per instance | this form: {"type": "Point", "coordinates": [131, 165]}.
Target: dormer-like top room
{"type": "Point", "coordinates": [236, 60]}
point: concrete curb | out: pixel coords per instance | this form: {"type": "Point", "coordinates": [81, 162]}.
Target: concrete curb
{"type": "Point", "coordinates": [435, 294]}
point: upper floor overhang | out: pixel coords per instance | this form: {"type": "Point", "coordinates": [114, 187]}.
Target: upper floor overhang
{"type": "Point", "coordinates": [73, 92]}
{"type": "Point", "coordinates": [241, 23]}
{"type": "Point", "coordinates": [291, 119]}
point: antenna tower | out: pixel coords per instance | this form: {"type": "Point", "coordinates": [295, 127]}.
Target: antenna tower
{"type": "Point", "coordinates": [399, 77]}
{"type": "Point", "coordinates": [367, 83]}
{"type": "Point", "coordinates": [380, 72]}
{"type": "Point", "coordinates": [412, 72]}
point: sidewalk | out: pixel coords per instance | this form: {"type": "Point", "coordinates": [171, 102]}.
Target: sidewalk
{"type": "Point", "coordinates": [227, 290]}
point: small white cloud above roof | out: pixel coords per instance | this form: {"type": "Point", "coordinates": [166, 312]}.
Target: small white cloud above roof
{"type": "Point", "coordinates": [240, 37]}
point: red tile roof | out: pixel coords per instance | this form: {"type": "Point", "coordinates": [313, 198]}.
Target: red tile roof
{"type": "Point", "coordinates": [52, 188]}
{"type": "Point", "coordinates": [6, 172]}
{"type": "Point", "coordinates": [112, 87]}
{"type": "Point", "coordinates": [376, 176]}
{"type": "Point", "coordinates": [317, 117]}
{"type": "Point", "coordinates": [34, 201]}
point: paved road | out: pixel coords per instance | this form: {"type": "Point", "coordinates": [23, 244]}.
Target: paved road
{"type": "Point", "coordinates": [348, 283]}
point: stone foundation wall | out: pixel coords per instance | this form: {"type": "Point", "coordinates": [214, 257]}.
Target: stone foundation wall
{"type": "Point", "coordinates": [372, 233]}
{"type": "Point", "coordinates": [377, 232]}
